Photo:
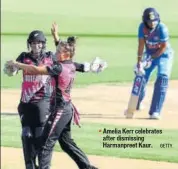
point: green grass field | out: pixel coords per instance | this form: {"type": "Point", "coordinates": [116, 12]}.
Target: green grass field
{"type": "Point", "coordinates": [106, 28]}
{"type": "Point", "coordinates": [92, 141]}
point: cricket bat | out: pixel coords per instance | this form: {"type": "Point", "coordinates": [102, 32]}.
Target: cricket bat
{"type": "Point", "coordinates": [133, 101]}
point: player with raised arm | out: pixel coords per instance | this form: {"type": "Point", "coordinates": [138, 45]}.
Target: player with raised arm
{"type": "Point", "coordinates": [63, 70]}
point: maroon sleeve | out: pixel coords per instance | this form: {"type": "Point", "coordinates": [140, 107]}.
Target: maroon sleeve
{"type": "Point", "coordinates": [21, 57]}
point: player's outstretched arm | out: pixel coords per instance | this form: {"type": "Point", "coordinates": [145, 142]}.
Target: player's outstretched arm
{"type": "Point", "coordinates": [28, 68]}
{"type": "Point", "coordinates": [96, 65]}
{"type": "Point", "coordinates": [55, 69]}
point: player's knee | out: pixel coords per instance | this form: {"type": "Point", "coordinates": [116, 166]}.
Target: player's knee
{"type": "Point", "coordinates": [64, 143]}
{"type": "Point", "coordinates": [49, 145]}
{"type": "Point", "coordinates": [165, 72]}
{"type": "Point", "coordinates": [39, 131]}
{"type": "Point", "coordinates": [26, 132]}
{"type": "Point", "coordinates": [162, 81]}
{"type": "Point", "coordinates": [63, 146]}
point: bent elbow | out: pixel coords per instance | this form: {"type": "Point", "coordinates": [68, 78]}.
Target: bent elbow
{"type": "Point", "coordinates": [163, 47]}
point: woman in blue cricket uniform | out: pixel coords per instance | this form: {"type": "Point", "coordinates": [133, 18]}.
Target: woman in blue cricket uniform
{"type": "Point", "coordinates": [154, 37]}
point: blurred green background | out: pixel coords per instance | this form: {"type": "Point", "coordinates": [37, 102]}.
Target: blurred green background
{"type": "Point", "coordinates": [105, 28]}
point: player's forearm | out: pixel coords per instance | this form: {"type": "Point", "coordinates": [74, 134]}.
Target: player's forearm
{"type": "Point", "coordinates": [160, 51]}
{"type": "Point", "coordinates": [27, 68]}
{"type": "Point", "coordinates": [140, 50]}
{"type": "Point", "coordinates": [139, 58]}
{"type": "Point", "coordinates": [54, 31]}
{"type": "Point", "coordinates": [79, 67]}
{"type": "Point", "coordinates": [139, 54]}
{"type": "Point", "coordinates": [32, 69]}
{"type": "Point", "coordinates": [56, 39]}
{"type": "Point", "coordinates": [85, 67]}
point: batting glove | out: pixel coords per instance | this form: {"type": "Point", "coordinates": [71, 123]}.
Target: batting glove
{"type": "Point", "coordinates": [147, 62]}
{"type": "Point", "coordinates": [139, 69]}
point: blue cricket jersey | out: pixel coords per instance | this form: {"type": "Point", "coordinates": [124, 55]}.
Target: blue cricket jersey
{"type": "Point", "coordinates": [154, 37]}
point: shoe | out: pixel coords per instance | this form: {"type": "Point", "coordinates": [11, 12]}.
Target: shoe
{"type": "Point", "coordinates": [94, 167]}
{"type": "Point", "coordinates": [155, 116]}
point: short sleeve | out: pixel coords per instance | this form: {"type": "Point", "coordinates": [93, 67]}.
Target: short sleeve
{"type": "Point", "coordinates": [55, 69]}
{"type": "Point", "coordinates": [164, 33]}
{"type": "Point", "coordinates": [140, 31]}
{"type": "Point", "coordinates": [21, 57]}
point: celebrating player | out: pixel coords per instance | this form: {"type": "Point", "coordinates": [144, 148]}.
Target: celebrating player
{"type": "Point", "coordinates": [37, 91]}
{"type": "Point", "coordinates": [63, 70]}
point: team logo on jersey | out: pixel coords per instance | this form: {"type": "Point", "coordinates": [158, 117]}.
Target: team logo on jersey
{"type": "Point", "coordinates": [156, 38]}
{"type": "Point", "coordinates": [36, 34]}
{"type": "Point", "coordinates": [27, 61]}
{"type": "Point", "coordinates": [151, 15]}
{"type": "Point", "coordinates": [47, 62]}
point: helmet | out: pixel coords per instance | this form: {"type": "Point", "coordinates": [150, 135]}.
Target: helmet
{"type": "Point", "coordinates": [150, 15]}
{"type": "Point", "coordinates": [36, 35]}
